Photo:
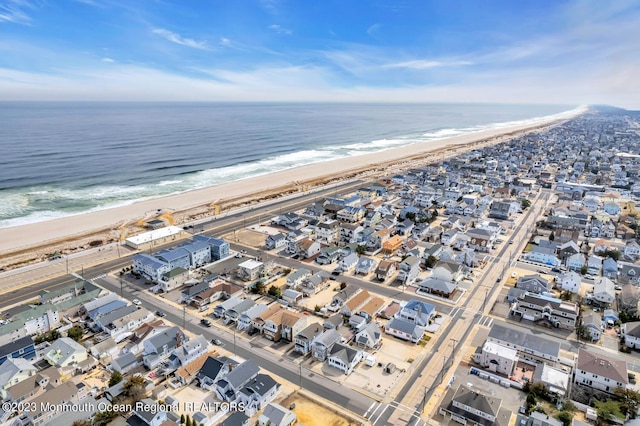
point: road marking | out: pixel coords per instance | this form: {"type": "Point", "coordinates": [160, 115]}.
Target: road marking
{"type": "Point", "coordinates": [366, 413]}
{"type": "Point", "coordinates": [381, 413]}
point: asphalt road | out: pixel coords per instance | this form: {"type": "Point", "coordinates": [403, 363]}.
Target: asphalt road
{"type": "Point", "coordinates": [277, 365]}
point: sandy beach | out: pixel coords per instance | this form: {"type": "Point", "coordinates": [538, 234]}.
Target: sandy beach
{"type": "Point", "coordinates": [109, 224]}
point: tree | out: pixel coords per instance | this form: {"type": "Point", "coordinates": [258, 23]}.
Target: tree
{"type": "Point", "coordinates": [134, 387]}
{"type": "Point", "coordinates": [317, 308]}
{"type": "Point", "coordinates": [629, 401]}
{"type": "Point", "coordinates": [75, 333]}
{"type": "Point", "coordinates": [116, 377]}
{"type": "Point", "coordinates": [259, 287]}
{"type": "Point", "coordinates": [565, 417]}
{"type": "Point", "coordinates": [361, 250]}
{"type": "Point", "coordinates": [275, 292]}
{"type": "Point", "coordinates": [47, 337]}
{"type": "Point", "coordinates": [614, 254]}
{"type": "Point", "coordinates": [525, 204]}
{"type": "Point", "coordinates": [430, 261]}
{"type": "Point", "coordinates": [552, 236]}
{"type": "Point", "coordinates": [608, 409]}
{"type": "Point", "coordinates": [182, 419]}
{"type": "Point", "coordinates": [583, 270]}
{"type": "Point", "coordinates": [343, 286]}
{"type": "Point", "coordinates": [103, 418]}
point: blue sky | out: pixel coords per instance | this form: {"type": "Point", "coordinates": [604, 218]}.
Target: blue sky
{"type": "Point", "coordinates": [545, 51]}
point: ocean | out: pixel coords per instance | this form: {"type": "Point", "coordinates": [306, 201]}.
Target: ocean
{"type": "Point", "coordinates": [64, 158]}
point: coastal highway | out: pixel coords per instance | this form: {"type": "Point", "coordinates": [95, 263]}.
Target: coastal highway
{"type": "Point", "coordinates": [213, 227]}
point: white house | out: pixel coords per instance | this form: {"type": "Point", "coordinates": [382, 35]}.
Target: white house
{"type": "Point", "coordinates": [600, 372]}
{"type": "Point", "coordinates": [65, 352]}
{"type": "Point", "coordinates": [630, 331]}
{"type": "Point", "coordinates": [569, 281]}
{"type": "Point", "coordinates": [604, 290]}
{"type": "Point", "coordinates": [344, 358]}
{"type": "Point", "coordinates": [496, 358]}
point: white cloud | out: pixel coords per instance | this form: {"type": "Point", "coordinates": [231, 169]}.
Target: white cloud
{"type": "Point", "coordinates": [108, 60]}
{"type": "Point", "coordinates": [14, 11]}
{"type": "Point", "coordinates": [280, 30]}
{"type": "Point", "coordinates": [422, 64]}
{"type": "Point", "coordinates": [373, 30]}
{"type": "Point", "coordinates": [178, 39]}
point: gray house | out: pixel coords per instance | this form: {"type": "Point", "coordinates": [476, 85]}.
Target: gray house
{"type": "Point", "coordinates": [228, 388]}
{"type": "Point", "coordinates": [323, 344]}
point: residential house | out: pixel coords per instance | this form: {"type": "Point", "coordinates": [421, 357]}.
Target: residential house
{"type": "Point", "coordinates": [496, 357]}
{"type": "Point", "coordinates": [189, 351]}
{"type": "Point", "coordinates": [33, 386]}
{"type": "Point", "coordinates": [158, 348]}
{"type": "Point", "coordinates": [500, 210]}
{"type": "Point", "coordinates": [275, 241]}
{"type": "Point", "coordinates": [469, 406]}
{"type": "Point", "coordinates": [416, 311]}
{"type": "Point", "coordinates": [408, 270]}
{"type": "Point", "coordinates": [315, 283]}
{"type": "Point", "coordinates": [14, 371]}
{"type": "Point", "coordinates": [245, 318]}
{"type": "Point", "coordinates": [308, 248]}
{"type": "Point", "coordinates": [212, 370]}
{"type": "Point", "coordinates": [250, 270]}
{"type": "Point", "coordinates": [342, 296]}
{"type": "Point", "coordinates": [259, 321]}
{"type": "Point", "coordinates": [277, 415]}
{"type": "Point", "coordinates": [594, 264]}
{"type": "Point", "coordinates": [385, 270]}
{"type": "Point", "coordinates": [220, 248]}
{"type": "Point", "coordinates": [555, 380]}
{"type": "Point", "coordinates": [258, 392]}
{"type": "Point", "coordinates": [283, 324]}
{"type": "Point", "coordinates": [353, 303]}
{"type": "Point", "coordinates": [350, 214]}
{"type": "Point", "coordinates": [438, 287]}
{"type": "Point", "coordinates": [600, 372]}
{"type": "Point", "coordinates": [629, 273]}
{"type": "Point", "coordinates": [328, 232]}
{"type": "Point", "coordinates": [323, 343]}
{"type": "Point", "coordinates": [630, 332]}
{"type": "Point", "coordinates": [534, 284]}
{"type": "Point", "coordinates": [232, 314]}
{"type": "Point", "coordinates": [371, 308]}
{"type": "Point", "coordinates": [448, 270]}
{"type": "Point", "coordinates": [22, 347]}
{"type": "Point", "coordinates": [610, 268]}
{"type": "Point", "coordinates": [150, 267]}
{"type": "Point", "coordinates": [349, 262]}
{"type": "Point", "coordinates": [567, 249]}
{"type": "Point", "coordinates": [228, 388]}
{"type": "Point", "coordinates": [296, 278]}
{"type": "Point", "coordinates": [570, 281]}
{"type": "Point", "coordinates": [592, 323]}
{"type": "Point", "coordinates": [328, 255]}
{"type": "Point", "coordinates": [481, 240]}
{"type": "Point", "coordinates": [604, 290]}
{"type": "Point", "coordinates": [292, 297]}
{"type": "Point", "coordinates": [220, 310]}
{"type": "Point", "coordinates": [120, 323]}
{"type": "Point", "coordinates": [351, 233]}
{"type": "Point", "coordinates": [344, 358]}
{"type": "Point", "coordinates": [628, 299]}
{"type": "Point", "coordinates": [142, 416]}
{"type": "Point", "coordinates": [369, 337]}
{"type": "Point", "coordinates": [555, 312]}
{"type": "Point", "coordinates": [530, 346]}
{"type": "Point", "coordinates": [65, 352]}
{"type": "Point", "coordinates": [542, 255]}
{"type": "Point", "coordinates": [575, 262]}
{"type": "Point", "coordinates": [365, 265]}
{"type": "Point", "coordinates": [304, 340]}
{"type": "Point", "coordinates": [404, 329]}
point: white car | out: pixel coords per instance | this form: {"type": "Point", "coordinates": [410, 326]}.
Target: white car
{"type": "Point", "coordinates": [136, 302]}
{"type": "Point", "coordinates": [588, 277]}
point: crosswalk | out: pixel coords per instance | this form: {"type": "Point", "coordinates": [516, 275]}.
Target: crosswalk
{"type": "Point", "coordinates": [486, 321]}
{"type": "Point", "coordinates": [377, 410]}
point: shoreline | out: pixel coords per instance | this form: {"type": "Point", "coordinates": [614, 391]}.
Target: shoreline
{"type": "Point", "coordinates": [199, 203]}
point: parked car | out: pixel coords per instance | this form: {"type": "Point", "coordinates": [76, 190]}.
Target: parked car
{"type": "Point", "coordinates": [216, 342]}
{"type": "Point", "coordinates": [136, 302]}
{"type": "Point", "coordinates": [161, 314]}
{"type": "Point", "coordinates": [589, 277]}
{"type": "Point", "coordinates": [205, 322]}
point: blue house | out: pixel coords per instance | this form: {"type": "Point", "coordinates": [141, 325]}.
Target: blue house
{"type": "Point", "coordinates": [199, 252]}
{"type": "Point", "coordinates": [176, 257]}
{"type": "Point", "coordinates": [21, 348]}
{"type": "Point", "coordinates": [416, 311]}
{"type": "Point", "coordinates": [219, 247]}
